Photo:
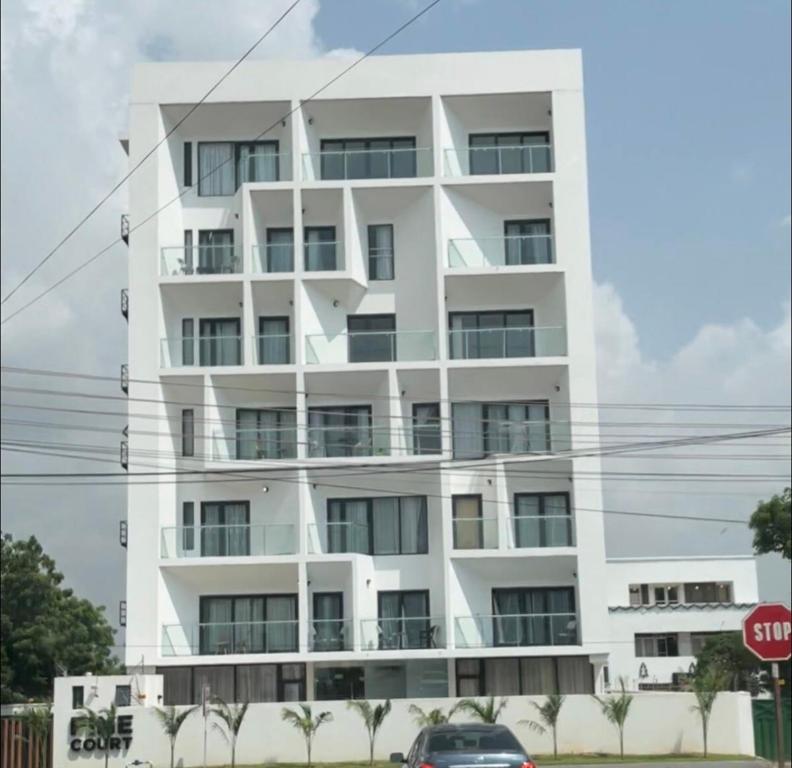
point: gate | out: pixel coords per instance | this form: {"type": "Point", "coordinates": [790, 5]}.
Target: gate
{"type": "Point", "coordinates": [764, 722]}
{"type": "Point", "coordinates": [17, 749]}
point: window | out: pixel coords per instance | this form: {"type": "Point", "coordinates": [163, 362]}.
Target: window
{"type": "Point", "coordinates": [335, 431]}
{"type": "Point", "coordinates": [468, 523]}
{"type": "Point", "coordinates": [78, 696]}
{"type": "Point", "coordinates": [517, 152]}
{"type": "Point", "coordinates": [372, 338]}
{"type": "Point", "coordinates": [248, 624]}
{"type": "Point", "coordinates": [224, 165]}
{"type": "Point", "coordinates": [220, 341]}
{"type": "Point", "coordinates": [378, 158]}
{"type": "Point", "coordinates": [320, 249]}
{"type": "Point", "coordinates": [291, 682]}
{"type": "Point", "coordinates": [649, 646]}
{"type": "Point", "coordinates": [427, 437]}
{"type": "Point", "coordinates": [476, 335]}
{"type": "Point", "coordinates": [469, 677]}
{"type": "Point", "coordinates": [484, 428]}
{"type": "Point", "coordinates": [391, 525]}
{"type": "Point", "coordinates": [280, 250]}
{"type": "Point", "coordinates": [273, 341]}
{"type": "Point", "coordinates": [257, 161]}
{"type": "Point", "coordinates": [666, 594]}
{"type": "Point", "coordinates": [266, 433]}
{"type": "Point", "coordinates": [708, 592]}
{"type": "Point", "coordinates": [123, 696]}
{"type": "Point", "coordinates": [188, 341]}
{"type": "Point", "coordinates": [188, 526]}
{"type": "Point", "coordinates": [403, 620]}
{"type": "Point", "coordinates": [328, 622]}
{"type": "Point", "coordinates": [527, 242]}
{"type": "Point", "coordinates": [534, 616]}
{"type": "Point", "coordinates": [380, 252]}
{"type": "Point", "coordinates": [187, 159]}
{"type": "Point", "coordinates": [188, 432]}
{"type": "Point", "coordinates": [527, 676]}
{"type": "Point", "coordinates": [216, 253]}
{"type": "Point", "coordinates": [225, 528]}
{"type": "Point", "coordinates": [542, 520]}
{"type": "Point", "coordinates": [187, 264]}
{"type": "Point", "coordinates": [339, 683]}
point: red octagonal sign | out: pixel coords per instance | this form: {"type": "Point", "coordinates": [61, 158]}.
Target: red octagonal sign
{"type": "Point", "coordinates": [767, 632]}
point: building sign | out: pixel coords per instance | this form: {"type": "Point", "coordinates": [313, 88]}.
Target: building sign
{"type": "Point", "coordinates": [80, 740]}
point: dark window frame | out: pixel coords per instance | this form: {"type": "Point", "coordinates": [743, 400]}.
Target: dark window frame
{"type": "Point", "coordinates": [236, 145]}
{"type": "Point", "coordinates": [367, 149]}
{"type": "Point", "coordinates": [393, 352]}
{"type": "Point", "coordinates": [188, 531]}
{"type": "Point", "coordinates": [486, 420]}
{"type": "Point", "coordinates": [371, 272]}
{"type": "Point", "coordinates": [123, 693]}
{"type": "Point", "coordinates": [542, 497]}
{"type": "Point", "coordinates": [427, 631]}
{"type": "Point", "coordinates": [480, 498]}
{"type": "Point", "coordinates": [208, 321]}
{"type": "Point", "coordinates": [479, 314]}
{"type": "Point", "coordinates": [438, 426]}
{"type": "Point", "coordinates": [222, 505]}
{"type": "Point", "coordinates": [495, 135]}
{"type": "Point", "coordinates": [339, 594]}
{"type": "Point", "coordinates": [187, 164]}
{"type": "Point", "coordinates": [484, 689]}
{"type": "Point", "coordinates": [346, 411]}
{"type": "Point", "coordinates": [524, 593]}
{"type": "Point", "coordinates": [317, 227]}
{"type": "Point", "coordinates": [664, 640]}
{"type": "Point", "coordinates": [78, 696]}
{"type": "Point", "coordinates": [188, 432]}
{"type": "Point", "coordinates": [259, 338]}
{"type": "Point", "coordinates": [269, 242]}
{"type": "Point", "coordinates": [280, 418]}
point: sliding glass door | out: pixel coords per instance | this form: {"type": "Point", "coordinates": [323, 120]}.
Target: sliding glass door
{"type": "Point", "coordinates": [220, 341]}
{"type": "Point", "coordinates": [328, 621]}
{"type": "Point", "coordinates": [404, 619]}
{"type": "Point", "coordinates": [225, 528]}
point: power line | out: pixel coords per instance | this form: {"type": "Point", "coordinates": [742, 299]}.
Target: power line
{"type": "Point", "coordinates": [155, 213]}
{"type": "Point", "coordinates": [148, 154]}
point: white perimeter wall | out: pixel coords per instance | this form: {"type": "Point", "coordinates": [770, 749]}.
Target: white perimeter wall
{"type": "Point", "coordinates": [658, 723]}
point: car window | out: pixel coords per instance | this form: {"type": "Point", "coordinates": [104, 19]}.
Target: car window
{"type": "Point", "coordinates": [412, 755]}
{"type": "Point", "coordinates": [472, 740]}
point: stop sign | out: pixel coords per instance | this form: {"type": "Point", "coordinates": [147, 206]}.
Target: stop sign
{"type": "Point", "coordinates": [767, 631]}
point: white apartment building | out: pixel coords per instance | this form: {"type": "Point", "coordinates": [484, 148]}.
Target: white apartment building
{"type": "Point", "coordinates": [361, 330]}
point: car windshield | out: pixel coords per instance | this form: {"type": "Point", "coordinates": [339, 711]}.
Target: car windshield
{"type": "Point", "coordinates": [473, 740]}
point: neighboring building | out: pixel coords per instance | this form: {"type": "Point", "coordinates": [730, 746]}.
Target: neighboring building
{"type": "Point", "coordinates": [663, 610]}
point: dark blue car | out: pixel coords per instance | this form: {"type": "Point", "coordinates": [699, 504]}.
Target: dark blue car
{"type": "Point", "coordinates": [467, 745]}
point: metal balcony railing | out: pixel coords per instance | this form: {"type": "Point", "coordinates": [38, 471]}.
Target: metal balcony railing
{"type": "Point", "coordinates": [270, 258]}
{"type": "Point", "coordinates": [496, 343]}
{"type": "Point", "coordinates": [325, 256]}
{"type": "Point", "coordinates": [219, 638]}
{"type": "Point", "coordinates": [196, 260]}
{"type": "Point", "coordinates": [402, 633]}
{"type": "Point", "coordinates": [500, 251]}
{"type": "Point", "coordinates": [263, 167]}
{"type": "Point", "coordinates": [338, 538]}
{"type": "Point", "coordinates": [327, 635]}
{"type": "Point", "coordinates": [400, 163]}
{"type": "Point", "coordinates": [178, 351]}
{"type": "Point", "coordinates": [475, 532]}
{"type": "Point", "coordinates": [541, 531]}
{"type": "Point", "coordinates": [519, 158]}
{"type": "Point", "coordinates": [179, 542]}
{"type": "Point", "coordinates": [515, 630]}
{"type": "Point", "coordinates": [272, 349]}
{"type": "Point", "coordinates": [370, 346]}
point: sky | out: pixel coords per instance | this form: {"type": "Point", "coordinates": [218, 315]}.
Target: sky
{"type": "Point", "coordinates": [688, 123]}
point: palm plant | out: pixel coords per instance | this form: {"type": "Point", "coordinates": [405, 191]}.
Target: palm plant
{"type": "Point", "coordinates": [306, 723]}
{"type": "Point", "coordinates": [38, 722]}
{"type": "Point", "coordinates": [232, 717]}
{"type": "Point", "coordinates": [548, 714]}
{"type": "Point", "coordinates": [486, 711]}
{"type": "Point", "coordinates": [436, 716]}
{"type": "Point", "coordinates": [99, 724]}
{"type": "Point", "coordinates": [373, 717]}
{"type": "Point", "coordinates": [171, 721]}
{"type": "Point", "coordinates": [706, 687]}
{"type": "Point", "coordinates": [616, 709]}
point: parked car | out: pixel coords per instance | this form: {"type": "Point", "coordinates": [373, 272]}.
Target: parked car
{"type": "Point", "coordinates": [468, 744]}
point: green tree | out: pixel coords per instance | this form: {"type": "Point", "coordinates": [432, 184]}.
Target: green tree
{"type": "Point", "coordinates": [725, 655]}
{"type": "Point", "coordinates": [171, 721]}
{"type": "Point", "coordinates": [771, 524]}
{"type": "Point", "coordinates": [231, 716]}
{"type": "Point", "coordinates": [486, 711]}
{"type": "Point", "coordinates": [616, 709]}
{"type": "Point", "coordinates": [305, 722]}
{"type": "Point", "coordinates": [436, 716]}
{"type": "Point", "coordinates": [373, 718]}
{"type": "Point", "coordinates": [43, 625]}
{"type": "Point", "coordinates": [706, 687]}
{"type": "Point", "coordinates": [549, 712]}
{"type": "Point", "coordinates": [37, 722]}
{"type": "Point", "coordinates": [100, 725]}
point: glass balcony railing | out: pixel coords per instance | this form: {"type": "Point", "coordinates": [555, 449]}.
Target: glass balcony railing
{"type": "Point", "coordinates": [475, 532]}
{"type": "Point", "coordinates": [178, 351]}
{"type": "Point", "coordinates": [228, 540]}
{"type": "Point", "coordinates": [370, 347]}
{"type": "Point", "coordinates": [400, 163]}
{"type": "Point", "coordinates": [263, 167]}
{"type": "Point", "coordinates": [218, 638]}
{"type": "Point", "coordinates": [515, 630]}
{"type": "Point", "coordinates": [272, 349]}
{"type": "Point", "coordinates": [521, 158]}
{"type": "Point", "coordinates": [402, 633]}
{"type": "Point", "coordinates": [270, 258]}
{"type": "Point", "coordinates": [326, 635]}
{"type": "Point", "coordinates": [255, 444]}
{"type": "Point", "coordinates": [495, 343]}
{"type": "Point", "coordinates": [510, 436]}
{"type": "Point", "coordinates": [348, 441]}
{"type": "Point", "coordinates": [195, 260]}
{"type": "Point", "coordinates": [541, 531]}
{"type": "Point", "coordinates": [326, 256]}
{"type": "Point", "coordinates": [511, 251]}
{"type": "Point", "coordinates": [338, 538]}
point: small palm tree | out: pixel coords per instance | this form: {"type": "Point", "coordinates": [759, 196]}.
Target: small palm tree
{"type": "Point", "coordinates": [432, 717]}
{"type": "Point", "coordinates": [38, 722]}
{"type": "Point", "coordinates": [706, 687]}
{"type": "Point", "coordinates": [171, 721]}
{"type": "Point", "coordinates": [373, 717]}
{"type": "Point", "coordinates": [99, 724]}
{"type": "Point", "coordinates": [548, 714]}
{"type": "Point", "coordinates": [232, 717]}
{"type": "Point", "coordinates": [616, 709]}
{"type": "Point", "coordinates": [306, 723]}
{"type": "Point", "coordinates": [485, 712]}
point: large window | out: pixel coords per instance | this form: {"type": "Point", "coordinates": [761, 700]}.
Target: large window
{"type": "Point", "coordinates": [404, 620]}
{"type": "Point", "coordinates": [380, 252]}
{"type": "Point", "coordinates": [338, 431]}
{"type": "Point", "coordinates": [659, 595]}
{"type": "Point", "coordinates": [266, 433]}
{"type": "Point", "coordinates": [372, 338]}
{"type": "Point", "coordinates": [532, 676]}
{"type": "Point", "coordinates": [216, 253]}
{"type": "Point", "coordinates": [656, 645]}
{"type": "Point", "coordinates": [389, 525]}
{"type": "Point", "coordinates": [427, 436]}
{"type": "Point", "coordinates": [220, 341]}
{"type": "Point", "coordinates": [534, 616]}
{"type": "Point", "coordinates": [328, 622]}
{"type": "Point", "coordinates": [468, 530]}
{"type": "Point", "coordinates": [224, 165]}
{"type": "Point", "coordinates": [527, 241]}
{"type": "Point", "coordinates": [486, 428]}
{"type": "Point", "coordinates": [188, 526]}
{"type": "Point", "coordinates": [225, 528]}
{"type": "Point", "coordinates": [188, 432]}
{"type": "Point", "coordinates": [517, 152]}
{"type": "Point", "coordinates": [380, 158]}
{"type": "Point", "coordinates": [475, 335]}
{"type": "Point", "coordinates": [273, 341]}
{"type": "Point", "coordinates": [320, 249]}
{"type": "Point", "coordinates": [542, 520]}
{"type": "Point", "coordinates": [280, 250]}
{"type": "Point", "coordinates": [708, 592]}
{"type": "Point", "coordinates": [248, 624]}
{"type": "Point", "coordinates": [339, 683]}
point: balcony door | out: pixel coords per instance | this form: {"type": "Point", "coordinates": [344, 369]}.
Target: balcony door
{"type": "Point", "coordinates": [273, 341]}
{"type": "Point", "coordinates": [225, 528]}
{"type": "Point", "coordinates": [348, 525]}
{"type": "Point", "coordinates": [320, 249]}
{"type": "Point", "coordinates": [372, 338]}
{"type": "Point", "coordinates": [468, 524]}
{"type": "Point", "coordinates": [338, 431]}
{"type": "Point", "coordinates": [542, 520]}
{"type": "Point", "coordinates": [497, 334]}
{"type": "Point", "coordinates": [257, 161]}
{"type": "Point", "coordinates": [527, 242]}
{"type": "Point", "coordinates": [280, 249]}
{"type": "Point", "coordinates": [328, 621]}
{"type": "Point", "coordinates": [427, 437]}
{"type": "Point", "coordinates": [220, 341]}
{"type": "Point", "coordinates": [524, 616]}
{"type": "Point", "coordinates": [216, 252]}
{"type": "Point", "coordinates": [404, 619]}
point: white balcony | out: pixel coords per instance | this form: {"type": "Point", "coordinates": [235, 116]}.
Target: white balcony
{"type": "Point", "coordinates": [497, 251]}
{"type": "Point", "coordinates": [495, 343]}
{"type": "Point", "coordinates": [518, 630]}
{"type": "Point", "coordinates": [200, 260]}
{"type": "Point", "coordinates": [370, 347]}
{"type": "Point", "coordinates": [179, 352]}
{"type": "Point", "coordinates": [180, 542]}
{"type": "Point", "coordinates": [390, 163]}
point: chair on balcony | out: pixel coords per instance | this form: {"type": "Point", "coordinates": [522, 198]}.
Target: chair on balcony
{"type": "Point", "coordinates": [569, 634]}
{"type": "Point", "coordinates": [429, 636]}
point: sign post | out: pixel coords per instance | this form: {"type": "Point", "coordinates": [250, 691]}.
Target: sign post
{"type": "Point", "coordinates": [205, 697]}
{"type": "Point", "coordinates": [767, 633]}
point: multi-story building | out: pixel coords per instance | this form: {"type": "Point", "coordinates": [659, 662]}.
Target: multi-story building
{"type": "Point", "coordinates": [360, 335]}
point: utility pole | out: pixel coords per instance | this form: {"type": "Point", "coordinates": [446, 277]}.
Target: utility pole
{"type": "Point", "coordinates": [779, 715]}
{"type": "Point", "coordinates": [205, 709]}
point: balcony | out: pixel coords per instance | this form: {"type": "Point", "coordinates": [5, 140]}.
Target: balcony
{"type": "Point", "coordinates": [498, 160]}
{"type": "Point", "coordinates": [323, 256]}
{"type": "Point", "coordinates": [516, 630]}
{"type": "Point", "coordinates": [402, 633]}
{"type": "Point", "coordinates": [180, 542]}
{"type": "Point", "coordinates": [497, 343]}
{"type": "Point", "coordinates": [178, 352]}
{"type": "Point", "coordinates": [338, 538]}
{"type": "Point", "coordinates": [386, 163]}
{"type": "Point", "coordinates": [506, 251]}
{"type": "Point", "coordinates": [196, 260]}
{"type": "Point", "coordinates": [272, 349]}
{"type": "Point", "coordinates": [262, 167]}
{"type": "Point", "coordinates": [475, 532]}
{"type": "Point", "coordinates": [328, 635]}
{"type": "Point", "coordinates": [271, 443]}
{"type": "Point", "coordinates": [220, 638]}
{"type": "Point", "coordinates": [273, 258]}
{"type": "Point", "coordinates": [370, 347]}
{"type": "Point", "coordinates": [532, 531]}
{"type": "Point", "coordinates": [346, 441]}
